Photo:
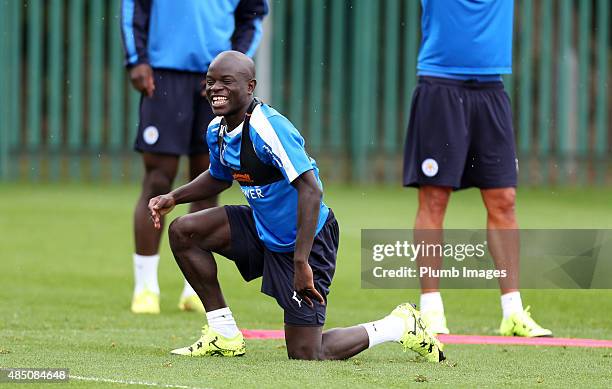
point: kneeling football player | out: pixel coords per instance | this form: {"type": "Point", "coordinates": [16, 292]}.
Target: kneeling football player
{"type": "Point", "coordinates": [286, 235]}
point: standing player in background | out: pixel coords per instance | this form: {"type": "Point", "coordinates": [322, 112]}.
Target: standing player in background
{"type": "Point", "coordinates": [287, 235]}
{"type": "Point", "coordinates": [460, 135]}
{"type": "Point", "coordinates": [169, 46]}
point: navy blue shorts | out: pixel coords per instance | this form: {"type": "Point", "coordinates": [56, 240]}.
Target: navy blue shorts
{"type": "Point", "coordinates": [174, 120]}
{"type": "Point", "coordinates": [254, 260]}
{"type": "Point", "coordinates": [460, 135]}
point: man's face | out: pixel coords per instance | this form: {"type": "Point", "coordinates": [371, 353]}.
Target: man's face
{"type": "Point", "coordinates": [227, 89]}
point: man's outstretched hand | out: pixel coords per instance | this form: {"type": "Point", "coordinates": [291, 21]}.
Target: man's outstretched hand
{"type": "Point", "coordinates": [304, 284]}
{"type": "Point", "coordinates": [159, 206]}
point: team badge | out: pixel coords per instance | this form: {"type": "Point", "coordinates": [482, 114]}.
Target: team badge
{"type": "Point", "coordinates": [150, 135]}
{"type": "Point", "coordinates": [429, 167]}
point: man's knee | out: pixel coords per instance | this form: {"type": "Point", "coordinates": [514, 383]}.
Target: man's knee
{"type": "Point", "coordinates": [157, 182]}
{"type": "Point", "coordinates": [180, 233]}
{"type": "Point", "coordinates": [434, 200]}
{"type": "Point", "coordinates": [500, 202]}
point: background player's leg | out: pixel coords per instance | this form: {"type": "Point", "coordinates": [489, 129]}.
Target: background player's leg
{"type": "Point", "coordinates": [198, 163]}
{"type": "Point", "coordinates": [193, 238]}
{"type": "Point", "coordinates": [433, 201]}
{"type": "Point", "coordinates": [160, 171]}
{"type": "Point", "coordinates": [502, 234]}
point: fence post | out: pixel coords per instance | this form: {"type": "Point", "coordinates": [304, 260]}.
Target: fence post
{"type": "Point", "coordinates": [563, 84]}
{"type": "Point", "coordinates": [544, 86]}
{"type": "Point", "coordinates": [525, 90]}
{"type": "Point", "coordinates": [4, 75]}
{"type": "Point", "coordinates": [390, 82]}
{"type": "Point", "coordinates": [337, 74]}
{"type": "Point", "coordinates": [75, 86]}
{"type": "Point", "coordinates": [55, 84]}
{"type": "Point", "coordinates": [34, 92]}
{"type": "Point", "coordinates": [96, 86]}
{"type": "Point", "coordinates": [601, 109]}
{"type": "Point", "coordinates": [315, 114]}
{"type": "Point", "coordinates": [116, 92]}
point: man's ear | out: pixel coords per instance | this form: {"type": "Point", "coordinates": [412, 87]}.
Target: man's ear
{"type": "Point", "coordinates": [252, 85]}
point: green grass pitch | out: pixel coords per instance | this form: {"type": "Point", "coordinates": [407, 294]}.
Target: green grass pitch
{"type": "Point", "coordinates": [66, 279]}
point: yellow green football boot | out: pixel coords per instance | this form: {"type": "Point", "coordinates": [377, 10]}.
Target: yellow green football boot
{"type": "Point", "coordinates": [417, 336]}
{"type": "Point", "coordinates": [435, 321]}
{"type": "Point", "coordinates": [521, 324]}
{"type": "Point", "coordinates": [145, 302]}
{"type": "Point", "coordinates": [212, 344]}
{"type": "Point", "coordinates": [191, 304]}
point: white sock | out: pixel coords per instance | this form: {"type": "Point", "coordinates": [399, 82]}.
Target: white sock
{"type": "Point", "coordinates": [222, 321]}
{"type": "Point", "coordinates": [388, 329]}
{"type": "Point", "coordinates": [145, 273]}
{"type": "Point", "coordinates": [431, 301]}
{"type": "Point", "coordinates": [511, 303]}
{"type": "Point", "coordinates": [187, 290]}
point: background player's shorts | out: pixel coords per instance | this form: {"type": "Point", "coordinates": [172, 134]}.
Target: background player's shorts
{"type": "Point", "coordinates": [460, 135]}
{"type": "Point", "coordinates": [175, 119]}
{"type": "Point", "coordinates": [254, 260]}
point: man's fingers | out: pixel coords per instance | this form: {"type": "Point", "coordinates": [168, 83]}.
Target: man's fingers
{"type": "Point", "coordinates": [307, 300]}
{"type": "Point", "coordinates": [149, 85]}
{"type": "Point", "coordinates": [315, 293]}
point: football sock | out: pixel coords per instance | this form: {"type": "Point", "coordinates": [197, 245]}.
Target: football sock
{"type": "Point", "coordinates": [145, 273]}
{"type": "Point", "coordinates": [511, 303]}
{"type": "Point", "coordinates": [187, 290]}
{"type": "Point", "coordinates": [222, 321]}
{"type": "Point", "coordinates": [431, 301]}
{"type": "Point", "coordinates": [388, 329]}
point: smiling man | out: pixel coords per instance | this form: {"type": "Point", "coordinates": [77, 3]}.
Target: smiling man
{"type": "Point", "coordinates": [287, 235]}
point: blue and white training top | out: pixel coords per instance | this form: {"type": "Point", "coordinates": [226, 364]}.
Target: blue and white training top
{"type": "Point", "coordinates": [278, 143]}
{"type": "Point", "coordinates": [187, 35]}
{"type": "Point", "coordinates": [466, 37]}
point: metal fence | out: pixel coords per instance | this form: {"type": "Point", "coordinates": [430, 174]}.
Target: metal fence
{"type": "Point", "coordinates": [342, 71]}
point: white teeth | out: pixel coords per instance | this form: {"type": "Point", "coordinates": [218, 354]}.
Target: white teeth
{"type": "Point", "coordinates": [219, 99]}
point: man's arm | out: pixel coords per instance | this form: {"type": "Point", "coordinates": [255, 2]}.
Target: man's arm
{"type": "Point", "coordinates": [309, 202]}
{"type": "Point", "coordinates": [202, 187]}
{"type": "Point", "coordinates": [135, 33]}
{"type": "Point", "coordinates": [247, 33]}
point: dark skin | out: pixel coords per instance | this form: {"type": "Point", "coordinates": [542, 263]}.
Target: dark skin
{"type": "Point", "coordinates": [160, 172]}
{"type": "Point", "coordinates": [195, 237]}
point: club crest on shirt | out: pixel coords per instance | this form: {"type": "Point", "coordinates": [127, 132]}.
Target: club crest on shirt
{"type": "Point", "coordinates": [150, 135]}
{"type": "Point", "coordinates": [429, 167]}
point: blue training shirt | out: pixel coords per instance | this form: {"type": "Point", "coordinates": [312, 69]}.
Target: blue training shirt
{"type": "Point", "coordinates": [466, 37]}
{"type": "Point", "coordinates": [187, 35]}
{"type": "Point", "coordinates": [276, 142]}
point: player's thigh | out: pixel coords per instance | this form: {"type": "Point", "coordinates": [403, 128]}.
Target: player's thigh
{"type": "Point", "coordinates": [166, 118]}
{"type": "Point", "coordinates": [492, 159]}
{"type": "Point", "coordinates": [208, 229]}
{"type": "Point", "coordinates": [303, 342]}
{"type": "Point", "coordinates": [437, 138]}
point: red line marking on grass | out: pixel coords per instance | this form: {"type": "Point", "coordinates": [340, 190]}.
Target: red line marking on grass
{"type": "Point", "coordinates": [471, 339]}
